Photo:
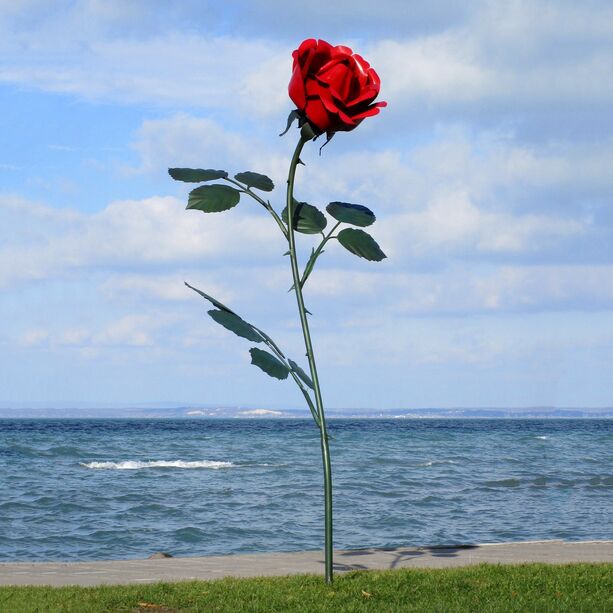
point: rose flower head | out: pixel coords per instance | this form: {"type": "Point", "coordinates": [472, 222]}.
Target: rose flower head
{"type": "Point", "coordinates": [333, 87]}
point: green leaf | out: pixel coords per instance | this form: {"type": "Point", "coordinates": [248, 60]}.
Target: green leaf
{"type": "Point", "coordinates": [236, 324]}
{"type": "Point", "coordinates": [268, 363]}
{"type": "Point", "coordinates": [213, 198]}
{"type": "Point", "coordinates": [196, 175]}
{"type": "Point", "coordinates": [308, 219]}
{"type": "Point", "coordinates": [212, 300]}
{"type": "Point", "coordinates": [355, 214]}
{"type": "Point", "coordinates": [361, 244]}
{"type": "Point", "coordinates": [301, 373]}
{"type": "Point", "coordinates": [254, 179]}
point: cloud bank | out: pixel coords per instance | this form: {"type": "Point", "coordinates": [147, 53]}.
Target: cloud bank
{"type": "Point", "coordinates": [489, 173]}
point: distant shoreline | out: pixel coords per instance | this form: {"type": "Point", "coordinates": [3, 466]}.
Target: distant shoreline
{"type": "Point", "coordinates": [307, 417]}
{"type": "Point", "coordinates": [21, 410]}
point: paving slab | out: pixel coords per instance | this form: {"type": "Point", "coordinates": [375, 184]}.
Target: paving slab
{"type": "Point", "coordinates": [278, 564]}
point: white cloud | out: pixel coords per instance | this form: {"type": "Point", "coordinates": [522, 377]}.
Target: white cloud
{"type": "Point", "coordinates": [33, 337]}
{"type": "Point", "coordinates": [150, 328]}
{"type": "Point", "coordinates": [169, 288]}
{"type": "Point", "coordinates": [514, 49]}
{"type": "Point", "coordinates": [263, 91]}
{"type": "Point", "coordinates": [532, 52]}
{"type": "Point", "coordinates": [440, 201]}
{"type": "Point", "coordinates": [73, 337]}
{"type": "Point", "coordinates": [129, 330]}
{"type": "Point", "coordinates": [405, 344]}
{"type": "Point", "coordinates": [174, 68]}
{"type": "Point", "coordinates": [452, 223]}
{"type": "Point", "coordinates": [441, 67]}
{"type": "Point", "coordinates": [130, 234]}
{"type": "Point", "coordinates": [457, 193]}
{"type": "Point", "coordinates": [496, 168]}
{"type": "Point", "coordinates": [185, 140]}
{"type": "Point", "coordinates": [465, 289]}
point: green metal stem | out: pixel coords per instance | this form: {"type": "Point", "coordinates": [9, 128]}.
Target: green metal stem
{"type": "Point", "coordinates": [325, 450]}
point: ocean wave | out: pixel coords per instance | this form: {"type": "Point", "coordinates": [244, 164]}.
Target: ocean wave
{"type": "Point", "coordinates": [136, 464]}
{"type": "Point", "coordinates": [503, 483]}
{"type": "Point", "coordinates": [542, 438]}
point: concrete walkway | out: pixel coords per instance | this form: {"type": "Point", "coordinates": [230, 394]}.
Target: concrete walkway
{"type": "Point", "coordinates": [271, 564]}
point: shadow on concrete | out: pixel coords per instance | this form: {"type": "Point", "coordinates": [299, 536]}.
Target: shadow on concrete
{"type": "Point", "coordinates": [400, 554]}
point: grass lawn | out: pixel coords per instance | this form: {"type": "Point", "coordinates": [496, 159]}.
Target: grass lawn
{"type": "Point", "coordinates": [488, 587]}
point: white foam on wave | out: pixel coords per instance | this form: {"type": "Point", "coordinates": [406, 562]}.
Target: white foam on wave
{"type": "Point", "coordinates": [542, 438]}
{"type": "Point", "coordinates": [435, 462]}
{"type": "Point", "coordinates": [136, 464]}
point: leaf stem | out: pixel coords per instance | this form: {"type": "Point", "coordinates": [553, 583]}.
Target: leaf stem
{"type": "Point", "coordinates": [325, 450]}
{"type": "Point", "coordinates": [311, 263]}
{"type": "Point", "coordinates": [273, 346]}
{"type": "Point", "coordinates": [263, 202]}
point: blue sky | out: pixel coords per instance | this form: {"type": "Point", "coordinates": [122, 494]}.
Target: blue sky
{"type": "Point", "coordinates": [489, 172]}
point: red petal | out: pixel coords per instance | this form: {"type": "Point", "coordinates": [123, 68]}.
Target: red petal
{"type": "Point", "coordinates": [324, 46]}
{"type": "Point", "coordinates": [338, 77]}
{"type": "Point", "coordinates": [369, 92]}
{"type": "Point", "coordinates": [320, 56]}
{"type": "Point", "coordinates": [316, 90]}
{"type": "Point", "coordinates": [341, 51]}
{"type": "Point", "coordinates": [317, 115]}
{"type": "Point", "coordinates": [374, 78]}
{"type": "Point", "coordinates": [361, 68]}
{"type": "Point", "coordinates": [366, 94]}
{"type": "Point", "coordinates": [306, 49]}
{"type": "Point", "coordinates": [296, 88]}
{"type": "Point", "coordinates": [303, 56]}
{"type": "Point", "coordinates": [348, 121]}
{"type": "Point", "coordinates": [369, 112]}
{"type": "Point", "coordinates": [309, 55]}
{"type": "Point", "coordinates": [306, 44]}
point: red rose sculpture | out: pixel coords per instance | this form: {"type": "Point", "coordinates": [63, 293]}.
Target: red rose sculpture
{"type": "Point", "coordinates": [333, 87]}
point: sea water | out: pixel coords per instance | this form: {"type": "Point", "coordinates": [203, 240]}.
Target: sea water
{"type": "Point", "coordinates": [105, 489]}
